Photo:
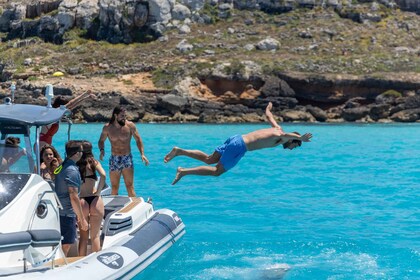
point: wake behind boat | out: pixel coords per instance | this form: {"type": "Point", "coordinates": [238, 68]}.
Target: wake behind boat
{"type": "Point", "coordinates": [133, 234]}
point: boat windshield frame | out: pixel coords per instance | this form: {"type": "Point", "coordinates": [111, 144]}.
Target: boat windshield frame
{"type": "Point", "coordinates": [18, 119]}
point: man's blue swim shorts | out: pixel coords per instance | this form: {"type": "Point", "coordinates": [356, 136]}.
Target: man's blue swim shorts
{"type": "Point", "coordinates": [231, 151]}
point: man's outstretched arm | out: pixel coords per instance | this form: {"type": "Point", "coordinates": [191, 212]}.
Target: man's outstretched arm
{"type": "Point", "coordinates": [270, 116]}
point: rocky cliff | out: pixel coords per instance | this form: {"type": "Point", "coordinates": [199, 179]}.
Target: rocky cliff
{"type": "Point", "coordinates": [129, 21]}
{"type": "Point", "coordinates": [409, 5]}
{"type": "Point", "coordinates": [219, 61]}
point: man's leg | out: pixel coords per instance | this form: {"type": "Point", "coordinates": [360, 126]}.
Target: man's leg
{"type": "Point", "coordinates": [200, 170]}
{"type": "Point", "coordinates": [114, 177]}
{"type": "Point", "coordinates": [68, 232]}
{"type": "Point", "coordinates": [128, 174]}
{"type": "Point", "coordinates": [195, 154]}
{"type": "Point", "coordinates": [66, 248]}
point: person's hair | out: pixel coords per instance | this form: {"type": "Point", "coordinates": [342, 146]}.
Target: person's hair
{"type": "Point", "coordinates": [72, 147]}
{"type": "Point", "coordinates": [12, 145]}
{"type": "Point", "coordinates": [56, 154]}
{"type": "Point", "coordinates": [12, 142]}
{"type": "Point", "coordinates": [58, 101]}
{"type": "Point", "coordinates": [288, 143]}
{"type": "Point", "coordinates": [87, 161]}
{"type": "Point", "coordinates": [116, 111]}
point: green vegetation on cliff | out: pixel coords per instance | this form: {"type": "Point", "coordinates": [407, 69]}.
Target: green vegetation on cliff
{"type": "Point", "coordinates": [316, 40]}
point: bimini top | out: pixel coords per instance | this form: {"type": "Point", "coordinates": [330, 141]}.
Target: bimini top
{"type": "Point", "coordinates": [30, 115]}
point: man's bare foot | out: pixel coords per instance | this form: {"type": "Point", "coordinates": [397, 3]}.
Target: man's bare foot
{"type": "Point", "coordinates": [173, 153]}
{"type": "Point", "coordinates": [178, 175]}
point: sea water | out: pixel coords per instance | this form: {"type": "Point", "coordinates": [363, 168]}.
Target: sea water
{"type": "Point", "coordinates": [344, 206]}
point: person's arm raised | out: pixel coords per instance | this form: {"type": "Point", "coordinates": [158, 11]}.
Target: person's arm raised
{"type": "Point", "coordinates": [270, 116]}
{"type": "Point", "coordinates": [73, 103]}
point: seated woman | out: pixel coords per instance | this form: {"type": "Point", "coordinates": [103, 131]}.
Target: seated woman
{"type": "Point", "coordinates": [50, 160]}
{"type": "Point", "coordinates": [10, 153]}
{"type": "Point", "coordinates": [91, 201]}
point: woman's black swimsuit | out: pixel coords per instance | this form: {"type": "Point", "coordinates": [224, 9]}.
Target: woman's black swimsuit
{"type": "Point", "coordinates": [89, 199]}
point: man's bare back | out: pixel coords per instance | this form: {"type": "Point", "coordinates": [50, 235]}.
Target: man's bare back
{"type": "Point", "coordinates": [264, 138]}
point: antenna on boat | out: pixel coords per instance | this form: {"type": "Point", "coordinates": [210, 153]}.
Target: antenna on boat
{"type": "Point", "coordinates": [49, 94]}
{"type": "Point", "coordinates": [12, 89]}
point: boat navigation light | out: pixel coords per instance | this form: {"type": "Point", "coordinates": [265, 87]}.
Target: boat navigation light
{"type": "Point", "coordinates": [49, 94]}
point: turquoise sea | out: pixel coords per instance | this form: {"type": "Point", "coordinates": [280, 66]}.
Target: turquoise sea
{"type": "Point", "coordinates": [345, 206]}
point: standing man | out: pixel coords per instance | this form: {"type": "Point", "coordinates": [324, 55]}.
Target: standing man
{"type": "Point", "coordinates": [67, 187]}
{"type": "Point", "coordinates": [228, 154]}
{"type": "Point", "coordinates": [119, 132]}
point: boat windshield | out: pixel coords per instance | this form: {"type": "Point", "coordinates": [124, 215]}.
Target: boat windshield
{"type": "Point", "coordinates": [14, 158]}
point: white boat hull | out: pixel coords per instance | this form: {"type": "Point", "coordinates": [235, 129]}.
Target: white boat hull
{"type": "Point", "coordinates": [133, 234]}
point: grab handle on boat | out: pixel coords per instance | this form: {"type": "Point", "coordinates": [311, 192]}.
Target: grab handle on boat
{"type": "Point", "coordinates": [12, 89]}
{"type": "Point", "coordinates": [49, 93]}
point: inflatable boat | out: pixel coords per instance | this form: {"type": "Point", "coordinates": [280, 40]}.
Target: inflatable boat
{"type": "Point", "coordinates": [133, 233]}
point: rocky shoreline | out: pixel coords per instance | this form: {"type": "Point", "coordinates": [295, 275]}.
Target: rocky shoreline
{"type": "Point", "coordinates": [215, 98]}
{"type": "Point", "coordinates": [217, 61]}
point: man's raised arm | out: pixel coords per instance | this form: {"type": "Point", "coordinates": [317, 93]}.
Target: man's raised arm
{"type": "Point", "coordinates": [270, 117]}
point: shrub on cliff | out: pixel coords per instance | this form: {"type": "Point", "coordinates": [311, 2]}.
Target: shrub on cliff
{"type": "Point", "coordinates": [392, 93]}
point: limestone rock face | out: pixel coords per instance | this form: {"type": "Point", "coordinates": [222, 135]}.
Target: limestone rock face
{"type": "Point", "coordinates": [119, 20]}
{"type": "Point", "coordinates": [194, 5]}
{"type": "Point", "coordinates": [160, 10]}
{"type": "Point", "coordinates": [409, 115]}
{"type": "Point", "coordinates": [86, 12]}
{"type": "Point", "coordinates": [379, 111]}
{"type": "Point", "coordinates": [268, 44]}
{"type": "Point", "coordinates": [354, 114]}
{"type": "Point", "coordinates": [172, 103]}
{"type": "Point", "coordinates": [37, 9]}
{"type": "Point", "coordinates": [409, 5]}
{"type": "Point", "coordinates": [274, 86]}
{"type": "Point", "coordinates": [294, 115]}
{"type": "Point", "coordinates": [129, 21]}
{"type": "Point", "coordinates": [319, 114]}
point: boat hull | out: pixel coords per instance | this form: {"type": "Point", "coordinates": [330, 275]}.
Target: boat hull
{"type": "Point", "coordinates": [130, 256]}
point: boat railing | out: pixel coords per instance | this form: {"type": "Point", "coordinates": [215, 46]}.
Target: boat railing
{"type": "Point", "coordinates": [46, 237]}
{"type": "Point", "coordinates": [24, 240]}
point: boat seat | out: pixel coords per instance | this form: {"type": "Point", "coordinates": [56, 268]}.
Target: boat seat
{"type": "Point", "coordinates": [14, 241]}
{"type": "Point", "coordinates": [45, 237]}
{"type": "Point", "coordinates": [115, 204]}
